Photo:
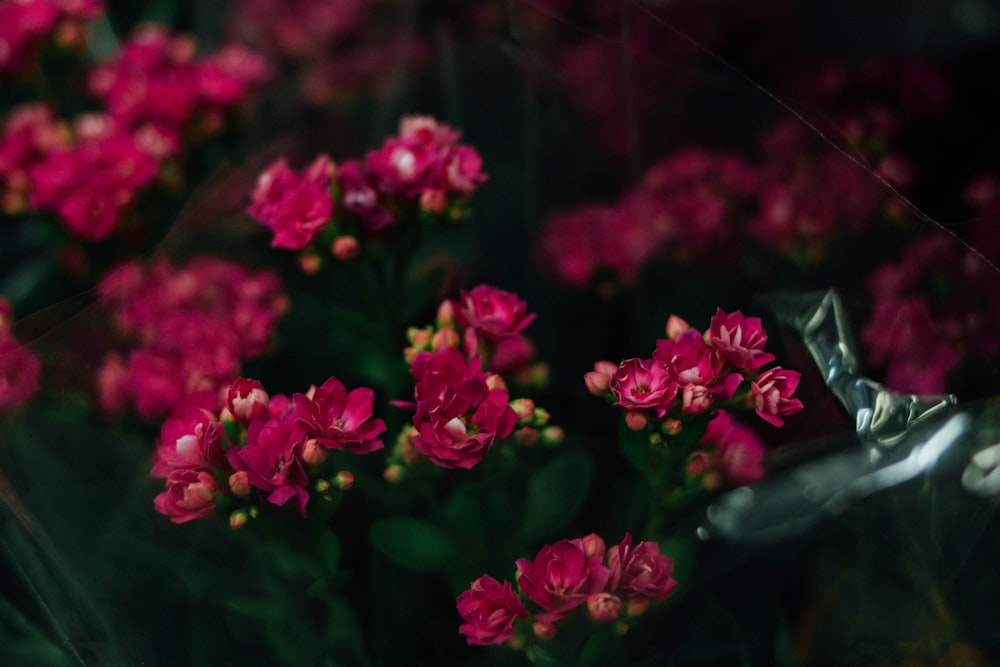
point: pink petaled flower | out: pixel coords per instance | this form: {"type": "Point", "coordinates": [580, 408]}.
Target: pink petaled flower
{"type": "Point", "coordinates": [642, 571]}
{"type": "Point", "coordinates": [461, 170]}
{"type": "Point", "coordinates": [690, 359]}
{"type": "Point", "coordinates": [454, 441]}
{"type": "Point", "coordinates": [739, 340]}
{"type": "Point", "coordinates": [490, 610]}
{"type": "Point", "coordinates": [644, 384]}
{"type": "Point", "coordinates": [190, 495]}
{"type": "Point", "coordinates": [445, 380]}
{"type": "Point", "coordinates": [192, 441]}
{"type": "Point", "coordinates": [492, 312]}
{"type": "Point", "coordinates": [272, 459]}
{"type": "Point", "coordinates": [561, 578]}
{"type": "Point", "coordinates": [340, 419]}
{"type": "Point", "coordinates": [739, 452]}
{"type": "Point", "coordinates": [427, 131]}
{"type": "Point", "coordinates": [293, 206]}
{"type": "Point", "coordinates": [246, 399]}
{"type": "Point", "coordinates": [358, 194]}
{"type": "Point", "coordinates": [226, 77]}
{"type": "Point", "coordinates": [771, 394]}
{"type": "Point", "coordinates": [402, 166]}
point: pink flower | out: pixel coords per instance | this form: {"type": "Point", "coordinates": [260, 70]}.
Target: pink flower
{"type": "Point", "coordinates": [644, 384]}
{"type": "Point", "coordinates": [459, 442]}
{"type": "Point", "coordinates": [604, 607]}
{"type": "Point", "coordinates": [739, 453]}
{"type": "Point", "coordinates": [428, 131]}
{"type": "Point", "coordinates": [340, 419]}
{"type": "Point", "coordinates": [193, 441]}
{"type": "Point", "coordinates": [689, 358]}
{"type": "Point", "coordinates": [359, 196]}
{"type": "Point", "coordinates": [190, 495]}
{"type": "Point", "coordinates": [739, 340]}
{"type": "Point", "coordinates": [490, 610]}
{"type": "Point", "coordinates": [461, 171]}
{"type": "Point", "coordinates": [272, 459]}
{"type": "Point", "coordinates": [771, 394]}
{"type": "Point", "coordinates": [640, 572]}
{"type": "Point", "coordinates": [246, 399]}
{"type": "Point", "coordinates": [492, 312]}
{"type": "Point", "coordinates": [295, 206]}
{"type": "Point", "coordinates": [561, 578]}
{"type": "Point", "coordinates": [402, 167]}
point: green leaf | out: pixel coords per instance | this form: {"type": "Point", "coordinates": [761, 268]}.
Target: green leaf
{"type": "Point", "coordinates": [556, 492]}
{"type": "Point", "coordinates": [415, 544]}
{"type": "Point", "coordinates": [636, 449]}
{"type": "Point", "coordinates": [682, 551]}
{"type": "Point", "coordinates": [465, 513]}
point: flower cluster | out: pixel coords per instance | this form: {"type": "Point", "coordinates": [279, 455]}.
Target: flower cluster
{"type": "Point", "coordinates": [156, 81]}
{"type": "Point", "coordinates": [728, 453]}
{"type": "Point", "coordinates": [25, 24]}
{"type": "Point", "coordinates": [19, 368]}
{"type": "Point", "coordinates": [791, 199]}
{"type": "Point", "coordinates": [461, 401]}
{"type": "Point", "coordinates": [564, 576]}
{"type": "Point", "coordinates": [187, 329]}
{"type": "Point", "coordinates": [424, 172]}
{"type": "Point", "coordinates": [255, 447]}
{"type": "Point", "coordinates": [693, 373]}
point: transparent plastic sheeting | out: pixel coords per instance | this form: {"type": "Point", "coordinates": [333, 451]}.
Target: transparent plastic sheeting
{"type": "Point", "coordinates": [899, 438]}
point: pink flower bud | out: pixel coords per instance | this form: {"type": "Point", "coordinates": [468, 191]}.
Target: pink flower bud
{"type": "Point", "coordinates": [446, 312]}
{"type": "Point", "coordinates": [597, 383]}
{"type": "Point", "coordinates": [393, 474]}
{"type": "Point", "coordinates": [635, 420]}
{"type": "Point", "coordinates": [420, 338]}
{"type": "Point", "coordinates": [676, 326]}
{"type": "Point", "coordinates": [433, 201]}
{"type": "Point", "coordinates": [313, 453]}
{"type": "Point", "coordinates": [322, 486]}
{"type": "Point", "coordinates": [604, 607]}
{"type": "Point", "coordinates": [524, 408]}
{"type": "Point", "coordinates": [593, 545]}
{"type": "Point", "coordinates": [442, 338]}
{"type": "Point", "coordinates": [526, 435]}
{"type": "Point", "coordinates": [238, 519]}
{"type": "Point", "coordinates": [239, 483]}
{"type": "Point", "coordinates": [310, 263]}
{"type": "Point", "coordinates": [636, 606]}
{"type": "Point", "coordinates": [553, 435]}
{"type": "Point", "coordinates": [671, 427]}
{"type": "Point", "coordinates": [345, 248]}
{"type": "Point", "coordinates": [246, 399]}
{"type": "Point", "coordinates": [695, 399]}
{"type": "Point", "coordinates": [344, 480]}
{"type": "Point", "coordinates": [544, 631]}
{"type": "Point", "coordinates": [698, 464]}
{"type": "Point", "coordinates": [541, 416]}
{"type": "Point", "coordinates": [495, 382]}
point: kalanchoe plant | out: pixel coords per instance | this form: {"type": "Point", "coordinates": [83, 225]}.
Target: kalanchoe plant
{"type": "Point", "coordinates": [254, 449]}
{"type": "Point", "coordinates": [422, 174]}
{"type": "Point", "coordinates": [567, 582]}
{"type": "Point", "coordinates": [671, 399]}
{"type": "Point", "coordinates": [461, 367]}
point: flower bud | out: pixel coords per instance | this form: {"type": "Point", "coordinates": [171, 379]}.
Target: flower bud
{"type": "Point", "coordinates": [635, 420]}
{"type": "Point", "coordinates": [420, 338]}
{"type": "Point", "coordinates": [524, 408]}
{"type": "Point", "coordinates": [544, 631]}
{"type": "Point", "coordinates": [239, 483]}
{"type": "Point", "coordinates": [553, 435]}
{"type": "Point", "coordinates": [604, 607]}
{"type": "Point", "coordinates": [671, 427]}
{"type": "Point", "coordinates": [636, 606]}
{"type": "Point", "coordinates": [344, 480]}
{"type": "Point", "coordinates": [310, 263]}
{"type": "Point", "coordinates": [541, 416]}
{"type": "Point", "coordinates": [526, 435]}
{"type": "Point", "coordinates": [313, 453]}
{"type": "Point", "coordinates": [676, 326]}
{"type": "Point", "coordinates": [597, 383]}
{"type": "Point", "coordinates": [698, 464]}
{"type": "Point", "coordinates": [433, 201]}
{"type": "Point", "coordinates": [322, 486]}
{"type": "Point", "coordinates": [345, 248]}
{"type": "Point", "coordinates": [593, 545]}
{"type": "Point", "coordinates": [495, 382]}
{"type": "Point", "coordinates": [442, 338]}
{"type": "Point", "coordinates": [238, 519]}
{"type": "Point", "coordinates": [446, 313]}
{"type": "Point", "coordinates": [246, 399]}
{"type": "Point", "coordinates": [393, 474]}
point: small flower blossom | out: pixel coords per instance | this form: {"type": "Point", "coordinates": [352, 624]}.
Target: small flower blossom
{"type": "Point", "coordinates": [190, 495]}
{"type": "Point", "coordinates": [771, 395]}
{"type": "Point", "coordinates": [640, 571]}
{"type": "Point", "coordinates": [739, 340]}
{"type": "Point", "coordinates": [340, 419]}
{"type": "Point", "coordinates": [640, 384]}
{"type": "Point", "coordinates": [490, 610]}
{"type": "Point", "coordinates": [492, 312]}
{"type": "Point", "coordinates": [560, 578]}
{"type": "Point", "coordinates": [294, 206]}
{"type": "Point", "coordinates": [272, 460]}
{"type": "Point", "coordinates": [246, 399]}
{"type": "Point", "coordinates": [193, 441]}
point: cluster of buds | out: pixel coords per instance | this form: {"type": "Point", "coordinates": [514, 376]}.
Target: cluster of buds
{"type": "Point", "coordinates": [692, 373]}
{"type": "Point", "coordinates": [19, 368]}
{"type": "Point", "coordinates": [256, 448]}
{"type": "Point", "coordinates": [460, 367]}
{"type": "Point", "coordinates": [614, 585]}
{"type": "Point", "coordinates": [423, 173]}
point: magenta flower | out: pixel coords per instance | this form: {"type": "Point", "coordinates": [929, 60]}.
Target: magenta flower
{"type": "Point", "coordinates": [193, 441]}
{"type": "Point", "coordinates": [492, 312]}
{"type": "Point", "coordinates": [490, 610]}
{"type": "Point", "coordinates": [739, 453]}
{"type": "Point", "coordinates": [427, 131]}
{"type": "Point", "coordinates": [246, 399]}
{"type": "Point", "coordinates": [642, 571]}
{"type": "Point", "coordinates": [272, 459]}
{"type": "Point", "coordinates": [644, 384]}
{"type": "Point", "coordinates": [690, 359]}
{"type": "Point", "coordinates": [561, 578]}
{"type": "Point", "coordinates": [293, 206]}
{"type": "Point", "coordinates": [456, 441]}
{"type": "Point", "coordinates": [359, 196]}
{"type": "Point", "coordinates": [461, 170]}
{"type": "Point", "coordinates": [402, 166]}
{"type": "Point", "coordinates": [340, 419]}
{"type": "Point", "coordinates": [447, 381]}
{"type": "Point", "coordinates": [190, 495]}
{"type": "Point", "coordinates": [739, 340]}
{"type": "Point", "coordinates": [771, 394]}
